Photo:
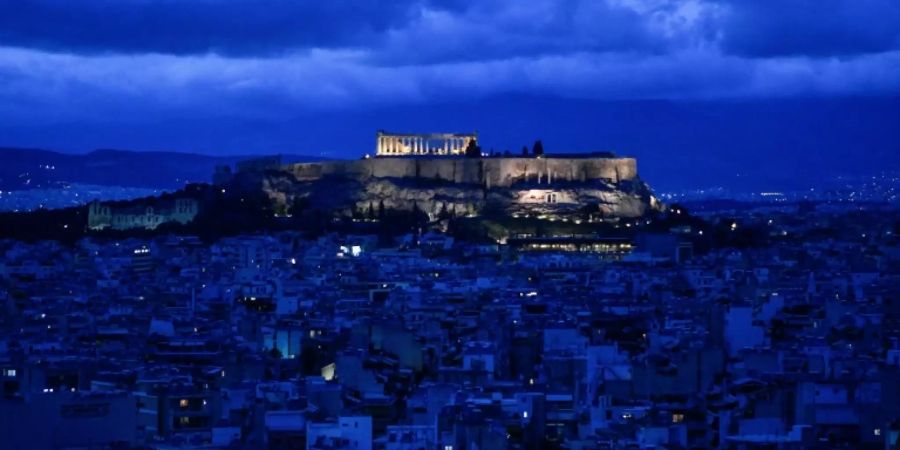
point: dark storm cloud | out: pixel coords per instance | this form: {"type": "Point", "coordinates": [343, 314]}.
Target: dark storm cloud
{"type": "Point", "coordinates": [492, 30]}
{"type": "Point", "coordinates": [434, 31]}
{"type": "Point", "coordinates": [766, 28]}
{"type": "Point", "coordinates": [134, 61]}
{"type": "Point", "coordinates": [235, 27]}
{"type": "Point", "coordinates": [406, 31]}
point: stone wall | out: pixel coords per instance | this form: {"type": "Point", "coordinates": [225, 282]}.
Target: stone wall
{"type": "Point", "coordinates": [490, 172]}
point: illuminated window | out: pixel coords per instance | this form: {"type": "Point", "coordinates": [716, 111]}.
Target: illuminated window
{"type": "Point", "coordinates": [677, 418]}
{"type": "Point", "coordinates": [183, 403]}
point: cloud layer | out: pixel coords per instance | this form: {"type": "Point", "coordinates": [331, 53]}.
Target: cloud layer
{"type": "Point", "coordinates": [130, 61]}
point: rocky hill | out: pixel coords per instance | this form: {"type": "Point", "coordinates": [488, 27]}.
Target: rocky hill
{"type": "Point", "coordinates": [555, 188]}
{"type": "Point", "coordinates": [385, 196]}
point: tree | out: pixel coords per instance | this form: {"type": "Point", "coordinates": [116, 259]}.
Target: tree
{"type": "Point", "coordinates": [419, 217]}
{"type": "Point", "coordinates": [473, 150]}
{"type": "Point", "coordinates": [524, 150]}
{"type": "Point", "coordinates": [589, 209]}
{"type": "Point", "coordinates": [444, 212]}
{"type": "Point", "coordinates": [538, 148]}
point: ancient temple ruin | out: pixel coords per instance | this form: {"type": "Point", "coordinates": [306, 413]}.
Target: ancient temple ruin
{"type": "Point", "coordinates": [401, 144]}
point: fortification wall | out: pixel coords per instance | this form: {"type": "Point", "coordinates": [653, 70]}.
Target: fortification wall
{"type": "Point", "coordinates": [492, 172]}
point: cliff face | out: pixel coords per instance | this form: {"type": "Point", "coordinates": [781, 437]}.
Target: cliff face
{"type": "Point", "coordinates": [547, 187]}
{"type": "Point", "coordinates": [488, 172]}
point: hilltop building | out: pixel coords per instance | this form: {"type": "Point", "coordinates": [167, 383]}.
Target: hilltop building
{"type": "Point", "coordinates": [102, 216]}
{"type": "Point", "coordinates": [404, 144]}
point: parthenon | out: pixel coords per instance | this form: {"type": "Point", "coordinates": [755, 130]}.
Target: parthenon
{"type": "Point", "coordinates": [397, 144]}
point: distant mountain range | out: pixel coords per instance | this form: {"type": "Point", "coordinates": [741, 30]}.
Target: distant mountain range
{"type": "Point", "coordinates": [24, 168]}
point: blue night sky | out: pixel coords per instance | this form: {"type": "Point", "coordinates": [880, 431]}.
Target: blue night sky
{"type": "Point", "coordinates": [701, 91]}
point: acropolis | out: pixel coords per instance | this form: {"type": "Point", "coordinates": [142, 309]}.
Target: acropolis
{"type": "Point", "coordinates": [432, 172]}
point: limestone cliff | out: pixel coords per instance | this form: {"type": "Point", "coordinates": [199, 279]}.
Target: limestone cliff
{"type": "Point", "coordinates": [546, 187]}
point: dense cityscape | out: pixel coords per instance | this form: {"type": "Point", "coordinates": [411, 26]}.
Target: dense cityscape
{"type": "Point", "coordinates": [773, 325]}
